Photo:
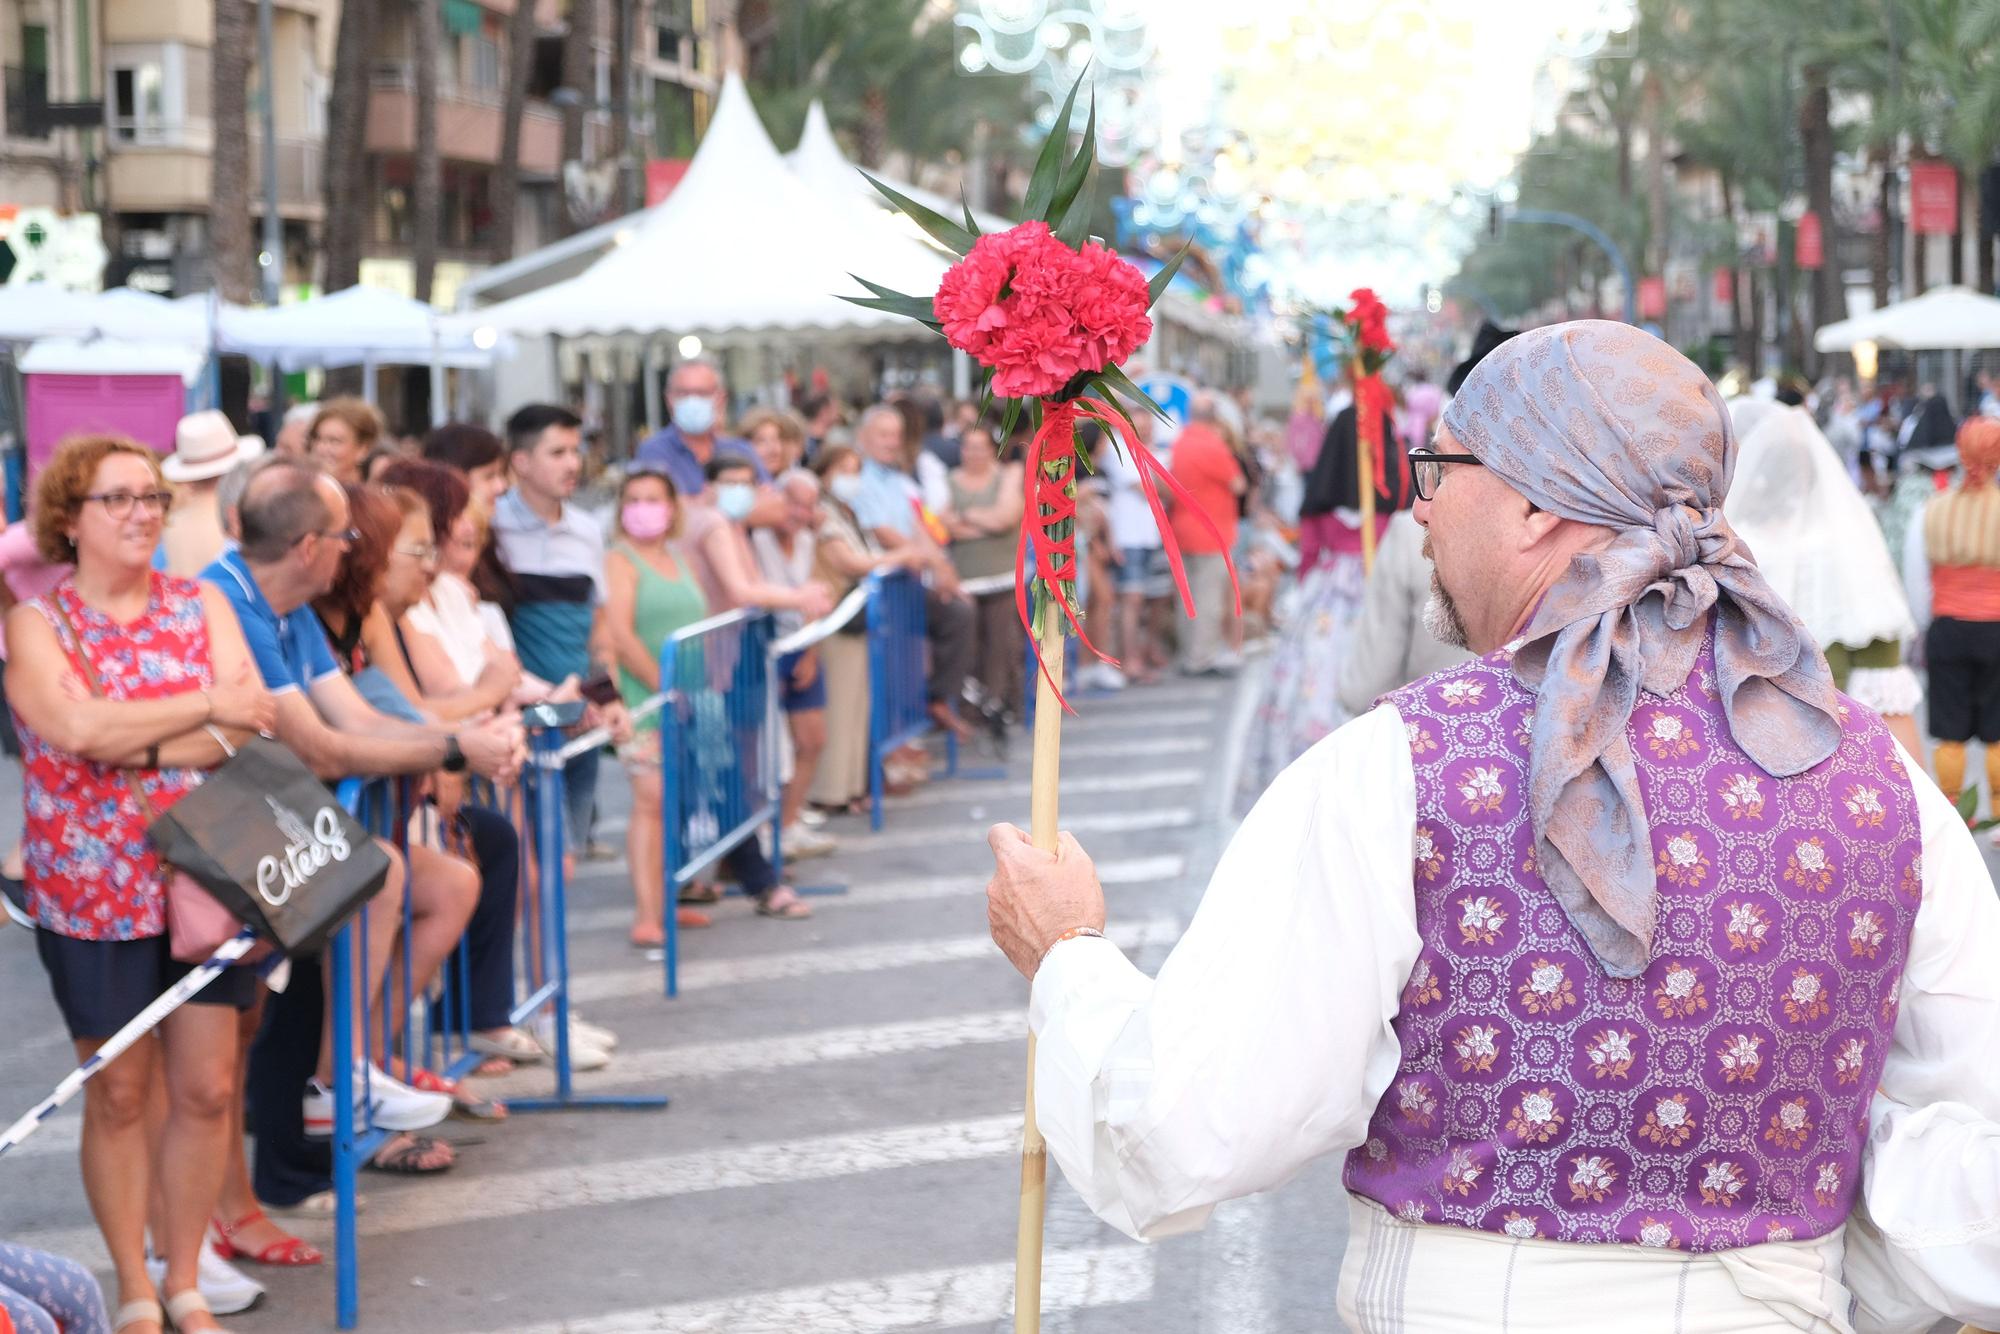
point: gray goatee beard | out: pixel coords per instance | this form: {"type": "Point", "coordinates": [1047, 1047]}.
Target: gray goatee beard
{"type": "Point", "coordinates": [1441, 619]}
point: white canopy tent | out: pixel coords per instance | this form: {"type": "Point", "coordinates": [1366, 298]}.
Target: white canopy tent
{"type": "Point", "coordinates": [29, 311]}
{"type": "Point", "coordinates": [1947, 319]}
{"type": "Point", "coordinates": [113, 356]}
{"type": "Point", "coordinates": [742, 249]}
{"type": "Point", "coordinates": [821, 165]}
{"type": "Point", "coordinates": [359, 326]}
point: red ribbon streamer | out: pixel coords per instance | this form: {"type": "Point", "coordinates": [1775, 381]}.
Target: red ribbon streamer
{"type": "Point", "coordinates": [1371, 401]}
{"type": "Point", "coordinates": [1049, 502]}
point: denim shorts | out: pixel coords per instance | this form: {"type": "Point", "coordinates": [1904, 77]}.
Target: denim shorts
{"type": "Point", "coordinates": [1143, 570]}
{"type": "Point", "coordinates": [793, 700]}
{"type": "Point", "coordinates": [101, 985]}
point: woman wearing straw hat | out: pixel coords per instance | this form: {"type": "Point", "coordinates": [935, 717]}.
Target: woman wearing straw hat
{"type": "Point", "coordinates": [206, 447]}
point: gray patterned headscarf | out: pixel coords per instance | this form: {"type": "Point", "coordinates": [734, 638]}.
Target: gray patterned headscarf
{"type": "Point", "coordinates": [1607, 425]}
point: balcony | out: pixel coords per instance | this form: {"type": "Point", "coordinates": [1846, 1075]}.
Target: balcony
{"type": "Point", "coordinates": [301, 183]}
{"type": "Point", "coordinates": [468, 122]}
{"type": "Point", "coordinates": [27, 101]}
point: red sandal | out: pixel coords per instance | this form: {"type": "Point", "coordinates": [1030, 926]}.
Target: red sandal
{"type": "Point", "coordinates": [291, 1253]}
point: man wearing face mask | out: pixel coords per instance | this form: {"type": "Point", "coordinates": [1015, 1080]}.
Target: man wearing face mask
{"type": "Point", "coordinates": [683, 449]}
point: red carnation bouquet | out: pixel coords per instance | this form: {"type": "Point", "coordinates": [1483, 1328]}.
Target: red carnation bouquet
{"type": "Point", "coordinates": [1049, 314]}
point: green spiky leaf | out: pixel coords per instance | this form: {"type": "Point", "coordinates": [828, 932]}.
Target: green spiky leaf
{"type": "Point", "coordinates": [940, 228]}
{"type": "Point", "coordinates": [896, 303]}
{"type": "Point", "coordinates": [971, 225]}
{"type": "Point", "coordinates": [1078, 171]}
{"type": "Point", "coordinates": [1073, 227]}
{"type": "Point", "coordinates": [1968, 804]}
{"type": "Point", "coordinates": [1049, 164]}
{"type": "Point", "coordinates": [1157, 285]}
{"type": "Point", "coordinates": [1103, 391]}
{"type": "Point", "coordinates": [1122, 382]}
{"type": "Point", "coordinates": [1007, 423]}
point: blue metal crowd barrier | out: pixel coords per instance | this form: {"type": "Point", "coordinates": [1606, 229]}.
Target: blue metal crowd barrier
{"type": "Point", "coordinates": [719, 779]}
{"type": "Point", "coordinates": [388, 807]}
{"type": "Point", "coordinates": [898, 678]}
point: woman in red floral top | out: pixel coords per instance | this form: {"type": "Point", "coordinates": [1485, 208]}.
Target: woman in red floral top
{"type": "Point", "coordinates": [173, 678]}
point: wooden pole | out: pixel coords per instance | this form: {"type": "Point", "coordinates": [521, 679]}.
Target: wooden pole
{"type": "Point", "coordinates": [1366, 420]}
{"type": "Point", "coordinates": [1042, 776]}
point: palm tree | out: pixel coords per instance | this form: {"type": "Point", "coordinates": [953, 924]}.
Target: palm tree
{"type": "Point", "coordinates": [232, 254]}
{"type": "Point", "coordinates": [507, 172]}
{"type": "Point", "coordinates": [346, 140]}
{"type": "Point", "coordinates": [579, 76]}
{"type": "Point", "coordinates": [1953, 104]}
{"type": "Point", "coordinates": [428, 204]}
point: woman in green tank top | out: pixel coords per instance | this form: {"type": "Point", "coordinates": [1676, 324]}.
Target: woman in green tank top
{"type": "Point", "coordinates": [649, 594]}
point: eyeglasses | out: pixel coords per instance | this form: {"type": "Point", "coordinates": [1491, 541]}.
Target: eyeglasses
{"type": "Point", "coordinates": [1427, 469]}
{"type": "Point", "coordinates": [347, 537]}
{"type": "Point", "coordinates": [423, 555]}
{"type": "Point", "coordinates": [118, 504]}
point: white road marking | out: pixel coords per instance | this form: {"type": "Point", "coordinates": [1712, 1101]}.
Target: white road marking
{"type": "Point", "coordinates": [1233, 1282]}
{"type": "Point", "coordinates": [1155, 870]}
{"type": "Point", "coordinates": [929, 1299]}
{"type": "Point", "coordinates": [709, 1060]}
{"type": "Point", "coordinates": [825, 961]}
{"type": "Point", "coordinates": [1090, 725]}
{"type": "Point", "coordinates": [1145, 748]}
{"type": "Point", "coordinates": [59, 1135]}
{"type": "Point", "coordinates": [940, 794]}
{"type": "Point", "coordinates": [456, 1200]}
{"type": "Point", "coordinates": [974, 829]}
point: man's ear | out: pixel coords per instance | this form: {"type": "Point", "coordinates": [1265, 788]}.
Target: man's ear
{"type": "Point", "coordinates": [1540, 526]}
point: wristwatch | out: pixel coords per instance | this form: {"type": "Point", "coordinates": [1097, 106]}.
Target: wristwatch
{"type": "Point", "coordinates": [454, 757]}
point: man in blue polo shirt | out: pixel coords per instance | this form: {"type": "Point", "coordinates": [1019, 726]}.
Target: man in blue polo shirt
{"type": "Point", "coordinates": [555, 555]}
{"type": "Point", "coordinates": [294, 529]}
{"type": "Point", "coordinates": [697, 404]}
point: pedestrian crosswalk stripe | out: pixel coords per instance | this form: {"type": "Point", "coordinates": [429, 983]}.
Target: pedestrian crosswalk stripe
{"type": "Point", "coordinates": [930, 1299]}
{"type": "Point", "coordinates": [457, 1200]}
{"type": "Point", "coordinates": [974, 830]}
{"type": "Point", "coordinates": [1089, 784]}
{"type": "Point", "coordinates": [708, 1060]}
{"type": "Point", "coordinates": [1160, 869]}
{"type": "Point", "coordinates": [701, 974]}
{"type": "Point", "coordinates": [1089, 725]}
{"type": "Point", "coordinates": [1141, 748]}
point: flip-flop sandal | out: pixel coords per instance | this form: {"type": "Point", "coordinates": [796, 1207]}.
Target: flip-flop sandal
{"type": "Point", "coordinates": [790, 908]}
{"type": "Point", "coordinates": [405, 1154]}
{"type": "Point", "coordinates": [701, 894]}
{"type": "Point", "coordinates": [492, 1068]}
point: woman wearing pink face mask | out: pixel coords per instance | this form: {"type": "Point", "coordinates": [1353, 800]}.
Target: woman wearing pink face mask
{"type": "Point", "coordinates": [649, 595]}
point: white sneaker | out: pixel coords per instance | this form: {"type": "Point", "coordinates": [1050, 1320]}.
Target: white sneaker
{"type": "Point", "coordinates": [812, 817]}
{"type": "Point", "coordinates": [801, 843]}
{"type": "Point", "coordinates": [1100, 676]}
{"type": "Point", "coordinates": [583, 1055]}
{"type": "Point", "coordinates": [226, 1289]}
{"type": "Point", "coordinates": [397, 1106]}
{"type": "Point", "coordinates": [597, 1035]}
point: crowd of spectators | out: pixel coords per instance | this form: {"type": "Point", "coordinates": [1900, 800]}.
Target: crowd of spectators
{"type": "Point", "coordinates": [385, 610]}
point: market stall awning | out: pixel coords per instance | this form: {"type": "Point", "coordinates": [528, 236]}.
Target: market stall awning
{"type": "Point", "coordinates": [1941, 320]}
{"type": "Point", "coordinates": [353, 327]}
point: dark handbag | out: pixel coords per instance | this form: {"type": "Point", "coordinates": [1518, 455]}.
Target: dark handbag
{"type": "Point", "coordinates": [263, 837]}
{"type": "Point", "coordinates": [274, 847]}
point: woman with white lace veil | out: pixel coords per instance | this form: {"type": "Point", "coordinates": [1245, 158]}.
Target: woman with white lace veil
{"type": "Point", "coordinates": [1817, 543]}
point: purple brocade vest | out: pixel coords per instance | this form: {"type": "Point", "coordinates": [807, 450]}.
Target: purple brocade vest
{"type": "Point", "coordinates": [1719, 1100]}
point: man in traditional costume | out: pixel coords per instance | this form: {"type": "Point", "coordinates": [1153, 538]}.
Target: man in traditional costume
{"type": "Point", "coordinates": [1590, 954]}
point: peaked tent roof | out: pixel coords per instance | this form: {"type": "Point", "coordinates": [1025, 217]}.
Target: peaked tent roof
{"type": "Point", "coordinates": [820, 164]}
{"type": "Point", "coordinates": [742, 246]}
